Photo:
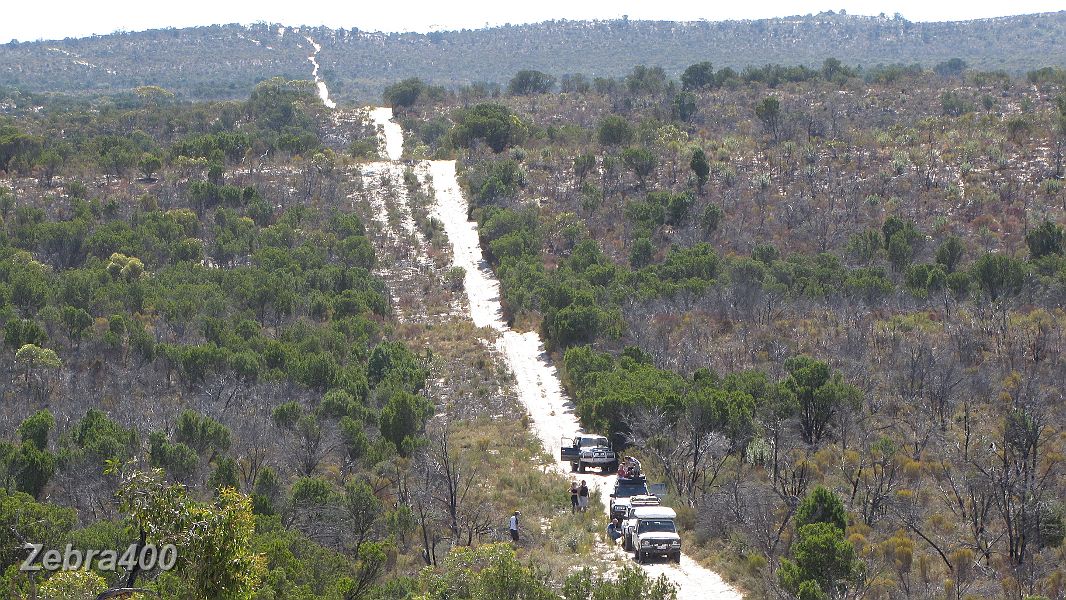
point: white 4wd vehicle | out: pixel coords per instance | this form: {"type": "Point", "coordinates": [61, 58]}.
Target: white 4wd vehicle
{"type": "Point", "coordinates": [651, 531]}
{"type": "Point", "coordinates": [587, 450]}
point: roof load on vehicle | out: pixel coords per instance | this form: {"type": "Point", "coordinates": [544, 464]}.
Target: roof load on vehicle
{"type": "Point", "coordinates": [644, 500]}
{"type": "Point", "coordinates": [654, 512]}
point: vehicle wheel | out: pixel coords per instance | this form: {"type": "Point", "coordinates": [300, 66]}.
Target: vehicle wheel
{"type": "Point", "coordinates": [627, 545]}
{"type": "Point", "coordinates": [612, 467]}
{"type": "Point", "coordinates": [640, 557]}
{"type": "Point", "coordinates": [580, 467]}
{"type": "Point", "coordinates": [677, 558]}
{"type": "Point", "coordinates": [573, 466]}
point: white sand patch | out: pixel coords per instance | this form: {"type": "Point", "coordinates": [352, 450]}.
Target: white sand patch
{"type": "Point", "coordinates": [392, 133]}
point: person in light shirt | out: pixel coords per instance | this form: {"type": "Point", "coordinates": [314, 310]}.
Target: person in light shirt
{"type": "Point", "coordinates": [514, 526]}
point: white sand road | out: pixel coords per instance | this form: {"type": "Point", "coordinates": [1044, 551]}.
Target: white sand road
{"type": "Point", "coordinates": [552, 413]}
{"type": "Point", "coordinates": [537, 381]}
{"type": "Point", "coordinates": [392, 133]}
{"type": "Point", "coordinates": [323, 92]}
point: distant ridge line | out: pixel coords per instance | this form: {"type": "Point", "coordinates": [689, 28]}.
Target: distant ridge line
{"type": "Point", "coordinates": [226, 61]}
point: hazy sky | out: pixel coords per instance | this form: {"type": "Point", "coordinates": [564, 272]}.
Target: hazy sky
{"type": "Point", "coordinates": [54, 19]}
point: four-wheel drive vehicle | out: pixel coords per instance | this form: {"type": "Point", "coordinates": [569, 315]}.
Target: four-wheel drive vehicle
{"type": "Point", "coordinates": [651, 531]}
{"type": "Point", "coordinates": [587, 450]}
{"type": "Point", "coordinates": [624, 489]}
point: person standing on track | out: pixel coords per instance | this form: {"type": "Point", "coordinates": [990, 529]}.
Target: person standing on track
{"type": "Point", "coordinates": [513, 526]}
{"type": "Point", "coordinates": [573, 496]}
{"type": "Point", "coordinates": [583, 496]}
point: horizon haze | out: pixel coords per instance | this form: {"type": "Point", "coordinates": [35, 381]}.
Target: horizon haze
{"type": "Point", "coordinates": [26, 23]}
